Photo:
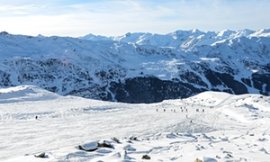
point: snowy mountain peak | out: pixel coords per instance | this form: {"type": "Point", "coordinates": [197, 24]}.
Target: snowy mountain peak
{"type": "Point", "coordinates": [196, 31]}
{"type": "Point", "coordinates": [244, 32]}
{"type": "Point", "coordinates": [192, 31]}
{"type": "Point", "coordinates": [93, 37]}
{"type": "Point", "coordinates": [225, 33]}
{"type": "Point", "coordinates": [261, 33]}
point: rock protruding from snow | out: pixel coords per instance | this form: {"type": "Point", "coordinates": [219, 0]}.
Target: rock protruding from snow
{"type": "Point", "coordinates": [41, 155]}
{"type": "Point", "coordinates": [91, 146]}
{"type": "Point", "coordinates": [106, 144]}
{"type": "Point", "coordinates": [146, 157]}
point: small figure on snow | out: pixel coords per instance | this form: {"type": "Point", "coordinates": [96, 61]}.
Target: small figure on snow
{"type": "Point", "coordinates": [36, 117]}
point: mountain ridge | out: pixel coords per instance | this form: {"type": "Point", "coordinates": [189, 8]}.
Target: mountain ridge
{"type": "Point", "coordinates": [143, 68]}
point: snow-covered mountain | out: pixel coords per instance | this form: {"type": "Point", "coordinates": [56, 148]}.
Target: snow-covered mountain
{"type": "Point", "coordinates": [209, 127]}
{"type": "Point", "coordinates": [139, 67]}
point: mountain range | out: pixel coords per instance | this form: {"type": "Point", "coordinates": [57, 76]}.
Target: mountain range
{"type": "Point", "coordinates": [139, 67]}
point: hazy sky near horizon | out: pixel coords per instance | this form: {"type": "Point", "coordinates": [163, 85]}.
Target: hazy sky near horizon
{"type": "Point", "coordinates": [117, 17]}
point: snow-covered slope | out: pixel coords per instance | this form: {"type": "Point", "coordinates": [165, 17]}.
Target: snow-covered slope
{"type": "Point", "coordinates": [211, 126]}
{"type": "Point", "coordinates": [139, 67]}
{"type": "Point", "coordinates": [25, 93]}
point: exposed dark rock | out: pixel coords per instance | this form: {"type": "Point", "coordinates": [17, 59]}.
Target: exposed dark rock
{"type": "Point", "coordinates": [41, 155]}
{"type": "Point", "coordinates": [116, 140]}
{"type": "Point", "coordinates": [133, 138]}
{"type": "Point", "coordinates": [106, 144]}
{"type": "Point", "coordinates": [92, 146]}
{"type": "Point", "coordinates": [146, 157]}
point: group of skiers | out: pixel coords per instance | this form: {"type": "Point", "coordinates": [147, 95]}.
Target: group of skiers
{"type": "Point", "coordinates": [182, 109]}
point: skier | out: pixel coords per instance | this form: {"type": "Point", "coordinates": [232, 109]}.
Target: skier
{"type": "Point", "coordinates": [36, 117]}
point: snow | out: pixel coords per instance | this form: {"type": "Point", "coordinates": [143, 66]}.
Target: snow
{"type": "Point", "coordinates": [25, 93]}
{"type": "Point", "coordinates": [211, 126]}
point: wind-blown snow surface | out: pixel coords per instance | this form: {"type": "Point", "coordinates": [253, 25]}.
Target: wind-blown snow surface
{"type": "Point", "coordinates": [211, 126]}
{"type": "Point", "coordinates": [139, 67]}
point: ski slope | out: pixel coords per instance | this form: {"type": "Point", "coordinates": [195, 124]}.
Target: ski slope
{"type": "Point", "coordinates": [211, 126]}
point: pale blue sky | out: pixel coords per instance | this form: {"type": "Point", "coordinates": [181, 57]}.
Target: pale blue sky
{"type": "Point", "coordinates": [117, 17]}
